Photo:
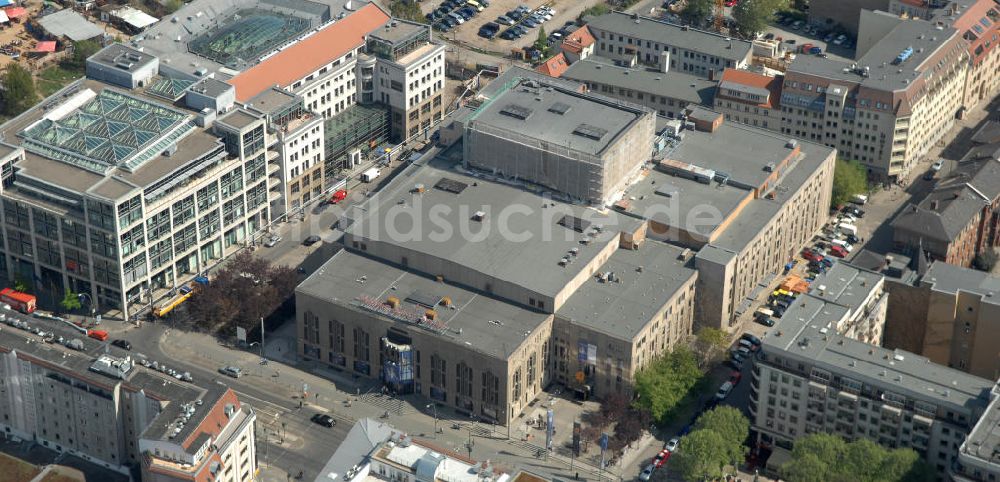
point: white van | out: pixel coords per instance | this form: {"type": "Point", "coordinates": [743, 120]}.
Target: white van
{"type": "Point", "coordinates": [370, 175]}
{"type": "Point", "coordinates": [859, 199]}
{"type": "Point", "coordinates": [843, 244]}
{"type": "Point", "coordinates": [848, 228]}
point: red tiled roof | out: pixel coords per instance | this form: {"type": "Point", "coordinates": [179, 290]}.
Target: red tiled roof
{"type": "Point", "coordinates": [751, 79]}
{"type": "Point", "coordinates": [46, 46]}
{"type": "Point", "coordinates": [554, 67]}
{"type": "Point", "coordinates": [297, 61]}
{"type": "Point", "coordinates": [578, 40]}
{"type": "Point", "coordinates": [14, 12]}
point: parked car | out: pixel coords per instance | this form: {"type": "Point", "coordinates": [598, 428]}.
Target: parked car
{"type": "Point", "coordinates": [647, 473]}
{"type": "Point", "coordinates": [735, 376]}
{"type": "Point", "coordinates": [751, 338]}
{"type": "Point", "coordinates": [938, 165]}
{"type": "Point", "coordinates": [672, 444]}
{"type": "Point", "coordinates": [766, 320]}
{"type": "Point", "coordinates": [661, 458]}
{"type": "Point", "coordinates": [123, 344]}
{"type": "Point", "coordinates": [769, 36]}
{"type": "Point", "coordinates": [737, 364]}
{"type": "Point", "coordinates": [505, 20]}
{"type": "Point", "coordinates": [724, 391]}
{"type": "Point", "coordinates": [311, 240]}
{"type": "Point", "coordinates": [853, 239]}
{"type": "Point", "coordinates": [838, 251]}
{"type": "Point", "coordinates": [746, 344]}
{"type": "Point", "coordinates": [273, 240]}
{"type": "Point", "coordinates": [231, 371]}
{"type": "Point", "coordinates": [324, 420]}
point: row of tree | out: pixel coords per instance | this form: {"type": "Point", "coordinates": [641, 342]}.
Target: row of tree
{"type": "Point", "coordinates": [750, 16]}
{"type": "Point", "coordinates": [715, 442]}
{"type": "Point", "coordinates": [830, 458]}
{"type": "Point", "coordinates": [670, 383]}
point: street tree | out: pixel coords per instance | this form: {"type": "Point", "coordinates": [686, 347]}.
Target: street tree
{"type": "Point", "coordinates": [752, 16]}
{"type": "Point", "coordinates": [542, 42]}
{"type": "Point", "coordinates": [830, 458]}
{"type": "Point", "coordinates": [727, 421]}
{"type": "Point", "coordinates": [18, 92]}
{"type": "Point", "coordinates": [697, 12]}
{"type": "Point", "coordinates": [701, 458]}
{"type": "Point", "coordinates": [407, 10]}
{"type": "Point", "coordinates": [70, 301]}
{"type": "Point", "coordinates": [849, 178]}
{"type": "Point", "coordinates": [664, 384]}
{"type": "Point", "coordinates": [710, 342]}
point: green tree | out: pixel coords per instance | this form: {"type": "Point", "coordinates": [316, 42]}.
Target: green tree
{"type": "Point", "coordinates": [711, 341]}
{"type": "Point", "coordinates": [700, 458]}
{"type": "Point", "coordinates": [596, 10]}
{"type": "Point", "coordinates": [81, 51]}
{"type": "Point", "coordinates": [19, 92]}
{"type": "Point", "coordinates": [986, 260]}
{"type": "Point", "coordinates": [172, 6]}
{"type": "Point", "coordinates": [542, 42]}
{"type": "Point", "coordinates": [727, 421]}
{"type": "Point", "coordinates": [20, 284]}
{"type": "Point", "coordinates": [698, 12]}
{"type": "Point", "coordinates": [830, 458]}
{"type": "Point", "coordinates": [663, 384]}
{"type": "Point", "coordinates": [752, 16]}
{"type": "Point", "coordinates": [407, 10]}
{"type": "Point", "coordinates": [849, 178]}
{"type": "Point", "coordinates": [70, 301]}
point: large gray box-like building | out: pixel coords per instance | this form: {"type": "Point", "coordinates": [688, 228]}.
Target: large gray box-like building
{"type": "Point", "coordinates": [583, 146]}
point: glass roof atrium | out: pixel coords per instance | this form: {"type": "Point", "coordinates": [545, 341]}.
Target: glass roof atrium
{"type": "Point", "coordinates": [170, 89]}
{"type": "Point", "coordinates": [111, 130]}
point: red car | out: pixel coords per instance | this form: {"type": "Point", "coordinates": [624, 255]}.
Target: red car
{"type": "Point", "coordinates": [730, 3]}
{"type": "Point", "coordinates": [838, 251]}
{"type": "Point", "coordinates": [735, 377]}
{"type": "Point", "coordinates": [338, 196]}
{"type": "Point", "coordinates": [811, 255]}
{"type": "Point", "coordinates": [661, 458]}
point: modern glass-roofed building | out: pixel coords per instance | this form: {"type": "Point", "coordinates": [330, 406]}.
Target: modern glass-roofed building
{"type": "Point", "coordinates": [124, 195]}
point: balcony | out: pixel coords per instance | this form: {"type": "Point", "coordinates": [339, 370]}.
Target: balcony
{"type": "Point", "coordinates": [273, 168]}
{"type": "Point", "coordinates": [274, 184]}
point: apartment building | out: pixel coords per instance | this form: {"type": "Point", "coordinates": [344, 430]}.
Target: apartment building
{"type": "Point", "coordinates": [112, 193]}
{"type": "Point", "coordinates": [816, 377]}
{"type": "Point", "coordinates": [978, 459]}
{"type": "Point", "coordinates": [67, 394]}
{"type": "Point", "coordinates": [668, 93]}
{"type": "Point", "coordinates": [748, 97]}
{"type": "Point", "coordinates": [744, 215]}
{"type": "Point", "coordinates": [299, 136]}
{"type": "Point", "coordinates": [891, 105]}
{"type": "Point", "coordinates": [636, 39]}
{"type": "Point", "coordinates": [408, 76]}
{"type": "Point", "coordinates": [582, 146]}
{"type": "Point", "coordinates": [960, 218]}
{"type": "Point", "coordinates": [948, 314]}
{"type": "Point", "coordinates": [482, 316]}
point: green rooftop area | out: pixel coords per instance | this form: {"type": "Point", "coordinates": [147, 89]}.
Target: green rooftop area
{"type": "Point", "coordinates": [110, 130]}
{"type": "Point", "coordinates": [243, 37]}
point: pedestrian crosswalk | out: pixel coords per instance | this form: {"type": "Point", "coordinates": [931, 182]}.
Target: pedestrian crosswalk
{"type": "Point", "coordinates": [393, 405]}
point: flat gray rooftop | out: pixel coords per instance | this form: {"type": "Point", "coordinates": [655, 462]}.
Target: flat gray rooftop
{"type": "Point", "coordinates": [984, 441]}
{"type": "Point", "coordinates": [923, 37]}
{"type": "Point", "coordinates": [397, 31]}
{"type": "Point", "coordinates": [238, 119]}
{"type": "Point", "coordinates": [649, 278]}
{"type": "Point", "coordinates": [519, 239]}
{"type": "Point", "coordinates": [557, 116]}
{"type": "Point", "coordinates": [674, 84]}
{"type": "Point", "coordinates": [666, 33]}
{"type": "Point", "coordinates": [116, 56]}
{"type": "Point", "coordinates": [486, 324]}
{"type": "Point", "coordinates": [272, 100]}
{"type": "Point", "coordinates": [212, 87]}
{"type": "Point", "coordinates": [834, 295]}
{"type": "Point", "coordinates": [745, 166]}
{"type": "Point", "coordinates": [948, 278]}
{"type": "Point", "coordinates": [903, 372]}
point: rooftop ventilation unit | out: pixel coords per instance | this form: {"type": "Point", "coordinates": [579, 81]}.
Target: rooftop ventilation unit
{"type": "Point", "coordinates": [905, 54]}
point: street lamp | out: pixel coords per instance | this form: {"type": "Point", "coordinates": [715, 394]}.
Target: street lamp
{"type": "Point", "coordinates": [90, 301]}
{"type": "Point", "coordinates": [435, 407]}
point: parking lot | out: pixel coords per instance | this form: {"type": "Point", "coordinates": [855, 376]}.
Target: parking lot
{"type": "Point", "coordinates": [795, 33]}
{"type": "Point", "coordinates": [467, 33]}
